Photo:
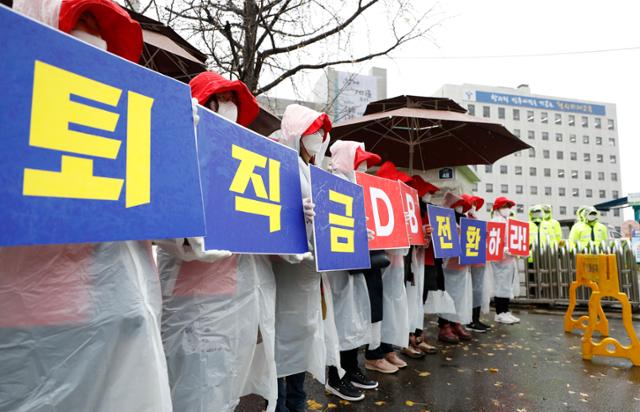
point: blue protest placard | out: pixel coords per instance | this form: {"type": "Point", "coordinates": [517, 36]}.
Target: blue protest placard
{"type": "Point", "coordinates": [92, 148]}
{"type": "Point", "coordinates": [444, 236]}
{"type": "Point", "coordinates": [473, 240]}
{"type": "Point", "coordinates": [339, 226]}
{"type": "Point", "coordinates": [251, 190]}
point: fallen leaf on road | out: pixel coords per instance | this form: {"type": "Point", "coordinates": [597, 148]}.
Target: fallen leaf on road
{"type": "Point", "coordinates": [332, 406]}
{"type": "Point", "coordinates": [342, 402]}
{"type": "Point", "coordinates": [314, 405]}
{"type": "Point", "coordinates": [494, 370]}
{"type": "Point", "coordinates": [379, 403]}
{"type": "Point", "coordinates": [409, 403]}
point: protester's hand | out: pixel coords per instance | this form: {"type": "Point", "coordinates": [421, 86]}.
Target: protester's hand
{"type": "Point", "coordinates": [197, 245]}
{"type": "Point", "coordinates": [428, 229]}
{"type": "Point", "coordinates": [194, 108]}
{"type": "Point", "coordinates": [371, 234]}
{"type": "Point", "coordinates": [300, 257]}
{"type": "Point", "coordinates": [308, 206]}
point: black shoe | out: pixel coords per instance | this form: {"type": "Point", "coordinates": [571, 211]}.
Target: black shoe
{"type": "Point", "coordinates": [487, 327]}
{"type": "Point", "coordinates": [345, 390]}
{"type": "Point", "coordinates": [360, 380]}
{"type": "Point", "coordinates": [476, 327]}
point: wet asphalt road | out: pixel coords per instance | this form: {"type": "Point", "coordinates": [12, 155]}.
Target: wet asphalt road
{"type": "Point", "coordinates": [533, 366]}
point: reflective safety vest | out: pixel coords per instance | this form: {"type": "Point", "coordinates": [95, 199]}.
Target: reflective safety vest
{"type": "Point", "coordinates": [542, 233]}
{"type": "Point", "coordinates": [556, 228]}
{"type": "Point", "coordinates": [584, 234]}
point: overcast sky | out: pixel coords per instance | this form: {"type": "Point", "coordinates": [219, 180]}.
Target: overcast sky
{"type": "Point", "coordinates": [508, 27]}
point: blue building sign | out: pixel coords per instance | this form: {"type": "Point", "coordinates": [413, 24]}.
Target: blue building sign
{"type": "Point", "coordinates": [539, 103]}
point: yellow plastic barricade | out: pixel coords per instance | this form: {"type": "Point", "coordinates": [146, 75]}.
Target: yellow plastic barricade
{"type": "Point", "coordinates": [603, 270]}
{"type": "Point", "coordinates": [584, 277]}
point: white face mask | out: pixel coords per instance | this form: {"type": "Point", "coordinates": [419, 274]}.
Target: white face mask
{"type": "Point", "coordinates": [362, 167]}
{"type": "Point", "coordinates": [313, 143]}
{"type": "Point", "coordinates": [228, 110]}
{"type": "Point", "coordinates": [592, 217]}
{"type": "Point", "coordinates": [537, 215]}
{"type": "Point", "coordinates": [426, 198]}
{"type": "Point", "coordinates": [458, 209]}
{"type": "Point", "coordinates": [96, 41]}
{"type": "Point", "coordinates": [473, 209]}
{"type": "Point", "coordinates": [504, 212]}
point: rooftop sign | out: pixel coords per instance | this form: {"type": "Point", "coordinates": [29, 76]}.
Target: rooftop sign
{"type": "Point", "coordinates": [538, 103]}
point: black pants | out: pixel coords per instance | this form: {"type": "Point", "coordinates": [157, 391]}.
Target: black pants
{"type": "Point", "coordinates": [379, 352]}
{"type": "Point", "coordinates": [348, 361]}
{"type": "Point", "coordinates": [502, 305]}
{"type": "Point", "coordinates": [291, 394]}
{"type": "Point", "coordinates": [442, 322]}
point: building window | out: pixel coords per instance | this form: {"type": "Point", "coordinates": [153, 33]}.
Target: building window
{"type": "Point", "coordinates": [573, 138]}
{"type": "Point", "coordinates": [558, 137]}
{"type": "Point", "coordinates": [615, 194]}
{"type": "Point", "coordinates": [585, 139]}
{"type": "Point", "coordinates": [545, 135]}
{"type": "Point", "coordinates": [544, 117]}
{"type": "Point", "coordinates": [563, 210]}
{"type": "Point", "coordinates": [475, 187]}
{"type": "Point", "coordinates": [612, 159]}
{"type": "Point", "coordinates": [585, 121]}
{"type": "Point", "coordinates": [516, 114]}
{"type": "Point", "coordinates": [518, 189]}
{"type": "Point", "coordinates": [616, 212]}
{"type": "Point", "coordinates": [472, 109]}
{"type": "Point", "coordinates": [533, 171]}
{"type": "Point", "coordinates": [486, 111]}
{"type": "Point", "coordinates": [575, 210]}
{"type": "Point", "coordinates": [489, 188]}
{"type": "Point", "coordinates": [597, 123]}
{"type": "Point", "coordinates": [561, 191]}
{"type": "Point", "coordinates": [531, 134]}
{"type": "Point", "coordinates": [534, 190]}
{"type": "Point", "coordinates": [503, 169]}
{"type": "Point", "coordinates": [516, 132]}
{"type": "Point", "coordinates": [612, 141]}
{"type": "Point", "coordinates": [547, 191]}
{"type": "Point", "coordinates": [559, 155]}
{"type": "Point", "coordinates": [558, 118]}
{"type": "Point", "coordinates": [575, 192]}
{"type": "Point", "coordinates": [530, 116]}
{"type": "Point", "coordinates": [545, 154]}
{"type": "Point", "coordinates": [614, 176]}
{"type": "Point", "coordinates": [532, 152]}
{"type": "Point", "coordinates": [488, 168]}
{"type": "Point", "coordinates": [574, 174]}
{"type": "Point", "coordinates": [586, 157]}
{"type": "Point", "coordinates": [602, 194]}
{"type": "Point", "coordinates": [600, 175]}
{"type": "Point", "coordinates": [587, 175]}
{"type": "Point", "coordinates": [517, 154]}
{"type": "Point", "coordinates": [573, 156]}
{"type": "Point", "coordinates": [547, 172]}
{"type": "Point", "coordinates": [610, 124]}
{"type": "Point", "coordinates": [519, 170]}
{"type": "Point", "coordinates": [500, 112]}
{"type": "Point", "coordinates": [561, 173]}
{"type": "Point", "coordinates": [489, 206]}
{"type": "Point", "coordinates": [504, 188]}
{"type": "Point", "coordinates": [599, 140]}
{"type": "Point", "coordinates": [589, 193]}
{"type": "Point", "coordinates": [520, 208]}
{"type": "Point", "coordinates": [599, 158]}
{"type": "Point", "coordinates": [572, 120]}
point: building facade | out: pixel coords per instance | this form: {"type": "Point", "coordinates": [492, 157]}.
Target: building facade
{"type": "Point", "coordinates": [575, 158]}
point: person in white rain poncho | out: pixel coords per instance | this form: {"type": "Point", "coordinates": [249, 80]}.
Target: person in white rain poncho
{"type": "Point", "coordinates": [505, 271]}
{"type": "Point", "coordinates": [478, 271]}
{"type": "Point", "coordinates": [352, 308]}
{"type": "Point", "coordinates": [216, 306]}
{"type": "Point", "coordinates": [395, 312]}
{"type": "Point", "coordinates": [304, 309]}
{"type": "Point", "coordinates": [457, 282]}
{"type": "Point", "coordinates": [80, 324]}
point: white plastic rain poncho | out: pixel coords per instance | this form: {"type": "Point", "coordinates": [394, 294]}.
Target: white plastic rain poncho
{"type": "Point", "coordinates": [352, 309]}
{"type": "Point", "coordinates": [415, 289]}
{"type": "Point", "coordinates": [481, 296]}
{"type": "Point", "coordinates": [210, 320]}
{"type": "Point", "coordinates": [457, 282]}
{"type": "Point", "coordinates": [300, 330]}
{"type": "Point", "coordinates": [80, 324]}
{"type": "Point", "coordinates": [80, 329]}
{"type": "Point", "coordinates": [505, 271]}
{"type": "Point", "coordinates": [395, 310]}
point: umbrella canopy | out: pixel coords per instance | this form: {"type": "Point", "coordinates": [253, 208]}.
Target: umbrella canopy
{"type": "Point", "coordinates": [414, 137]}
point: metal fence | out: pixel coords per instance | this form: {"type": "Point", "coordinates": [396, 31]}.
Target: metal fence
{"type": "Point", "coordinates": [545, 278]}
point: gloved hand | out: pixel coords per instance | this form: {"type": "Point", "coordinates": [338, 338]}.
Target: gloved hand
{"type": "Point", "coordinates": [308, 207]}
{"type": "Point", "coordinates": [194, 108]}
{"type": "Point", "coordinates": [197, 245]}
{"type": "Point", "coordinates": [371, 234]}
{"type": "Point", "coordinates": [299, 257]}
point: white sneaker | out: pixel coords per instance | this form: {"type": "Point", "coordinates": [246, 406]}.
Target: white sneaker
{"type": "Point", "coordinates": [504, 318]}
{"type": "Point", "coordinates": [515, 319]}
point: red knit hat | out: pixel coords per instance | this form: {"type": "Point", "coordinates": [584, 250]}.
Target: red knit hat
{"type": "Point", "coordinates": [362, 155]}
{"type": "Point", "coordinates": [422, 186]}
{"type": "Point", "coordinates": [501, 202]}
{"type": "Point", "coordinates": [389, 171]}
{"type": "Point", "coordinates": [206, 84]}
{"type": "Point", "coordinates": [122, 34]}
